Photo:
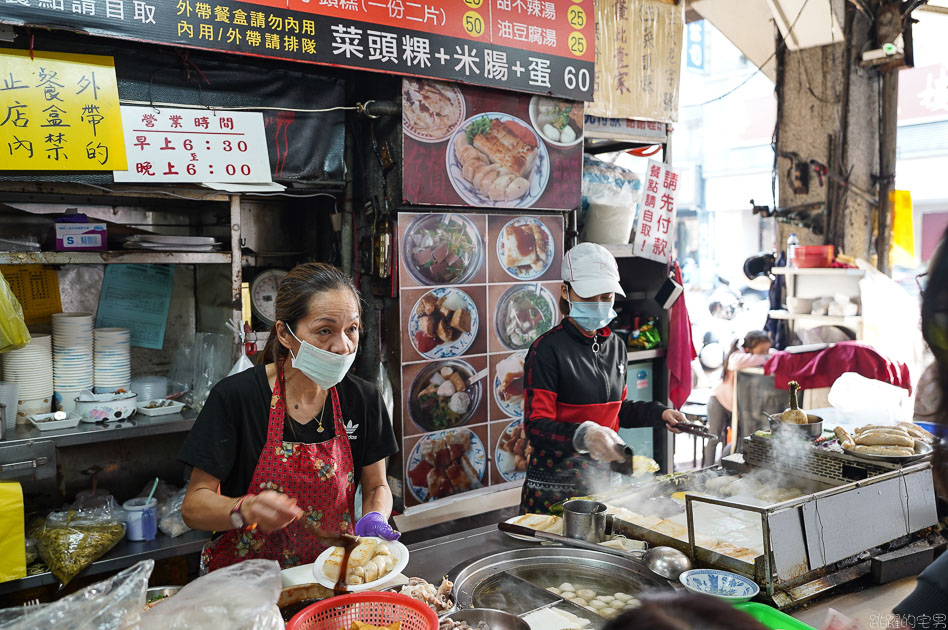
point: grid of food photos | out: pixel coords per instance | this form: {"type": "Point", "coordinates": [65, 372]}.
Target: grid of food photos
{"type": "Point", "coordinates": [475, 291]}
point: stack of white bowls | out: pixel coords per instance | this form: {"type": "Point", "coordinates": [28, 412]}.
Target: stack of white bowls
{"type": "Point", "coordinates": [31, 368]}
{"type": "Point", "coordinates": [8, 396]}
{"type": "Point", "coordinates": [150, 387]}
{"type": "Point", "coordinates": [72, 358]}
{"type": "Point", "coordinates": [113, 367]}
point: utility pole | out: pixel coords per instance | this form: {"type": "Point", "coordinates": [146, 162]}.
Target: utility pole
{"type": "Point", "coordinates": [887, 152]}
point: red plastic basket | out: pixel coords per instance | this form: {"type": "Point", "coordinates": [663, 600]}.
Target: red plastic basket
{"type": "Point", "coordinates": [378, 609]}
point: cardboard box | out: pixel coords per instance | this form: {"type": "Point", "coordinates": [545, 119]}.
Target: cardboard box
{"type": "Point", "coordinates": [82, 237]}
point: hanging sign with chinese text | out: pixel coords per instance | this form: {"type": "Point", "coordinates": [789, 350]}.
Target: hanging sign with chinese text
{"type": "Point", "coordinates": [194, 145]}
{"type": "Point", "coordinates": [655, 238]}
{"type": "Point", "coordinates": [540, 46]}
{"type": "Point", "coordinates": [59, 112]}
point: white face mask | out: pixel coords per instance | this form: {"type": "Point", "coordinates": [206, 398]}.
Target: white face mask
{"type": "Point", "coordinates": [324, 368]}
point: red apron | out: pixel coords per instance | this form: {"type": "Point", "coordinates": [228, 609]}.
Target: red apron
{"type": "Point", "coordinates": [320, 477]}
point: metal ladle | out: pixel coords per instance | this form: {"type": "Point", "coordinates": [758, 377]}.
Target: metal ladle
{"type": "Point", "coordinates": [664, 561]}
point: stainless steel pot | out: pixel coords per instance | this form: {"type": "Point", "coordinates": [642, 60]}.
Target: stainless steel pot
{"type": "Point", "coordinates": [813, 429]}
{"type": "Point", "coordinates": [586, 520]}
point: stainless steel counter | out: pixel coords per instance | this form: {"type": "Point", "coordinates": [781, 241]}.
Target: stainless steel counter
{"type": "Point", "coordinates": [865, 602]}
{"type": "Point", "coordinates": [88, 433]}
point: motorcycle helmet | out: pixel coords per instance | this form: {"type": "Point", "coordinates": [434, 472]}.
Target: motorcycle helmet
{"type": "Point", "coordinates": [758, 268]}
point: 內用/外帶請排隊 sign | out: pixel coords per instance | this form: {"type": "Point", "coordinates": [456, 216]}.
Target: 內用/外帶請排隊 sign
{"type": "Point", "coordinates": [539, 46]}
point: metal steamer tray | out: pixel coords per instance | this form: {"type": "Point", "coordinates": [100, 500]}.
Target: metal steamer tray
{"type": "Point", "coordinates": [809, 543]}
{"type": "Point", "coordinates": [516, 581]}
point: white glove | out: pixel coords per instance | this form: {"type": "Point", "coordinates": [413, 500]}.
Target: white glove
{"type": "Point", "coordinates": [600, 442]}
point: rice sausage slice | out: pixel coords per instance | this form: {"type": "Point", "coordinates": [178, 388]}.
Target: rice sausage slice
{"type": "Point", "coordinates": [884, 439]}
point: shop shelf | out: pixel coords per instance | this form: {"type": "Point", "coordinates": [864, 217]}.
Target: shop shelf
{"type": "Point", "coordinates": [826, 320]}
{"type": "Point", "coordinates": [88, 433]}
{"type": "Point", "coordinates": [817, 271]}
{"type": "Point", "coordinates": [114, 257]}
{"type": "Point", "coordinates": [644, 355]}
{"type": "Point", "coordinates": [123, 555]}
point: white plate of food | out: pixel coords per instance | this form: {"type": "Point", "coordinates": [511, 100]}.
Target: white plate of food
{"type": "Point", "coordinates": [525, 248]}
{"type": "Point", "coordinates": [441, 396]}
{"type": "Point", "coordinates": [540, 522]}
{"type": "Point", "coordinates": [522, 314]}
{"type": "Point", "coordinates": [445, 463]}
{"type": "Point", "coordinates": [497, 160]}
{"type": "Point", "coordinates": [372, 564]}
{"type": "Point", "coordinates": [160, 407]}
{"type": "Point", "coordinates": [559, 122]}
{"type": "Point", "coordinates": [508, 384]}
{"type": "Point", "coordinates": [512, 452]}
{"type": "Point", "coordinates": [442, 249]}
{"type": "Point", "coordinates": [443, 323]}
{"type": "Point", "coordinates": [431, 110]}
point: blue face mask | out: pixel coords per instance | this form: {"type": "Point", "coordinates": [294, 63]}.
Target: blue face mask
{"type": "Point", "coordinates": [592, 315]}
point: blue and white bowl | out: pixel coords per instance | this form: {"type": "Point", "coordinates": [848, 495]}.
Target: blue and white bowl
{"type": "Point", "coordinates": [728, 586]}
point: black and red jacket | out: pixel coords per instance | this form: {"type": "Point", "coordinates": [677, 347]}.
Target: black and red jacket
{"type": "Point", "coordinates": [566, 383]}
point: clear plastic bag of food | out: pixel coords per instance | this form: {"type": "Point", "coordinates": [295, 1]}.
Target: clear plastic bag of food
{"type": "Point", "coordinates": [170, 521]}
{"type": "Point", "coordinates": [242, 596]}
{"type": "Point", "coordinates": [112, 604]}
{"type": "Point", "coordinates": [608, 184]}
{"type": "Point", "coordinates": [68, 542]}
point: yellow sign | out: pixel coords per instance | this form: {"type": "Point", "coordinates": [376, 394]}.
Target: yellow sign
{"type": "Point", "coordinates": [36, 287]}
{"type": "Point", "coordinates": [59, 112]}
{"type": "Point", "coordinates": [903, 228]}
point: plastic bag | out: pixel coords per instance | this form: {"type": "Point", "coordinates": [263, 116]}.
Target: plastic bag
{"type": "Point", "coordinates": [13, 332]}
{"type": "Point", "coordinates": [242, 596]}
{"type": "Point", "coordinates": [170, 521]}
{"type": "Point", "coordinates": [212, 354]}
{"type": "Point", "coordinates": [243, 363]}
{"type": "Point", "coordinates": [608, 184]}
{"type": "Point", "coordinates": [71, 541]}
{"type": "Point", "coordinates": [859, 400]}
{"type": "Point", "coordinates": [112, 604]}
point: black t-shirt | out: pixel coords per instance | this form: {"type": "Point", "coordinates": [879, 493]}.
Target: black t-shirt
{"type": "Point", "coordinates": [229, 434]}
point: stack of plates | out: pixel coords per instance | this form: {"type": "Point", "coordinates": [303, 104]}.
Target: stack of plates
{"type": "Point", "coordinates": [150, 387]}
{"type": "Point", "coordinates": [113, 369]}
{"type": "Point", "coordinates": [160, 242]}
{"type": "Point", "coordinates": [72, 358]}
{"type": "Point", "coordinates": [8, 397]}
{"type": "Point", "coordinates": [31, 368]}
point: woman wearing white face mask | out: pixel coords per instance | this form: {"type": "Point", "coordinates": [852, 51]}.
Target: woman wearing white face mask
{"type": "Point", "coordinates": [278, 450]}
{"type": "Point", "coordinates": [575, 388]}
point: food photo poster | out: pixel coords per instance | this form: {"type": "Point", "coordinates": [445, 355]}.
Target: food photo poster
{"type": "Point", "coordinates": [485, 148]}
{"type": "Point", "coordinates": [475, 291]}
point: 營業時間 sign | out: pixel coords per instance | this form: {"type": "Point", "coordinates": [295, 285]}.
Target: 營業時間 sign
{"type": "Point", "coordinates": [540, 46]}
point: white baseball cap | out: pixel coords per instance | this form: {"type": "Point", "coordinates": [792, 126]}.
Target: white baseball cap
{"type": "Point", "coordinates": [591, 270]}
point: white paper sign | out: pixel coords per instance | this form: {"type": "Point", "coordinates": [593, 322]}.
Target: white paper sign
{"type": "Point", "coordinates": [194, 145]}
{"type": "Point", "coordinates": [655, 238]}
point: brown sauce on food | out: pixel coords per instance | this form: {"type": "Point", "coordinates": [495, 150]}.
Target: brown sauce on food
{"type": "Point", "coordinates": [526, 241]}
{"type": "Point", "coordinates": [348, 544]}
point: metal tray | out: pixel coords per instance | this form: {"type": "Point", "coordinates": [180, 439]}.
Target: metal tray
{"type": "Point", "coordinates": [924, 450]}
{"type": "Point", "coordinates": [477, 581]}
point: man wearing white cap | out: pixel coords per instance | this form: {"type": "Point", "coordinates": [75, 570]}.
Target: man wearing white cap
{"type": "Point", "coordinates": [575, 387]}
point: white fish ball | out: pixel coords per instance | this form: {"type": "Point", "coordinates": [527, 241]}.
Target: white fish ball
{"type": "Point", "coordinates": [567, 135]}
{"type": "Point", "coordinates": [445, 372]}
{"type": "Point", "coordinates": [598, 604]}
{"type": "Point", "coordinates": [579, 601]}
{"type": "Point", "coordinates": [554, 590]}
{"type": "Point", "coordinates": [446, 389]}
{"type": "Point", "coordinates": [623, 597]}
{"type": "Point", "coordinates": [590, 609]}
{"type": "Point", "coordinates": [606, 598]}
{"type": "Point", "coordinates": [608, 612]}
{"type": "Point", "coordinates": [586, 593]}
{"type": "Point", "coordinates": [552, 132]}
{"type": "Point", "coordinates": [566, 586]}
{"type": "Point", "coordinates": [568, 595]}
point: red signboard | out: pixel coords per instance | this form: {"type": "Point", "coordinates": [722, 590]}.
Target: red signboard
{"type": "Point", "coordinates": [541, 46]}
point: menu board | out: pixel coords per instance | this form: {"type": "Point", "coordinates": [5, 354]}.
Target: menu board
{"type": "Point", "coordinates": [484, 148]}
{"type": "Point", "coordinates": [539, 46]}
{"type": "Point", "coordinates": [475, 291]}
